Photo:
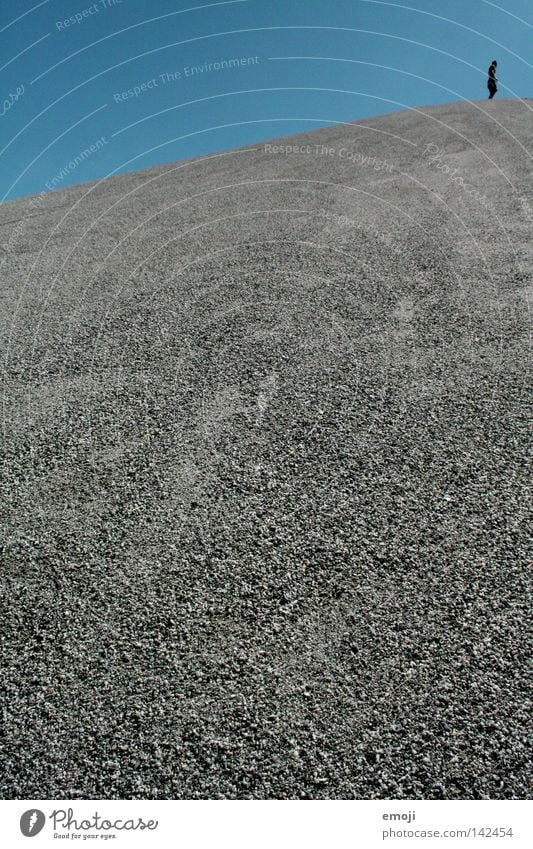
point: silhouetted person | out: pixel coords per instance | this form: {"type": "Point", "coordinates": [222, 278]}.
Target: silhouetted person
{"type": "Point", "coordinates": [491, 82]}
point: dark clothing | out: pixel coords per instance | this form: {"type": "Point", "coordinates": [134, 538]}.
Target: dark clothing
{"type": "Point", "coordinates": [491, 82]}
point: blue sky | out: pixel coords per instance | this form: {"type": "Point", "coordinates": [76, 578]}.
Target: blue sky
{"type": "Point", "coordinates": [124, 77]}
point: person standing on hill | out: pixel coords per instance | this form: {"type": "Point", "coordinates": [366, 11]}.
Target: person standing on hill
{"type": "Point", "coordinates": [491, 82]}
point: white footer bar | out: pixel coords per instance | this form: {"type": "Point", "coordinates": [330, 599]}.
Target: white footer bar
{"type": "Point", "coordinates": [274, 824]}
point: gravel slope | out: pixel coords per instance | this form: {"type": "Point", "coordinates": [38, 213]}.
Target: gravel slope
{"type": "Point", "coordinates": [264, 470]}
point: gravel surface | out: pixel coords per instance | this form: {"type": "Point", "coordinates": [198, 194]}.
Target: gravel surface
{"type": "Point", "coordinates": [264, 470]}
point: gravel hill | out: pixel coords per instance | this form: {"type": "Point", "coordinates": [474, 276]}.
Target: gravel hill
{"type": "Point", "coordinates": [264, 470]}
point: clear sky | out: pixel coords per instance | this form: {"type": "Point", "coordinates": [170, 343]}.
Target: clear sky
{"type": "Point", "coordinates": [122, 80]}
